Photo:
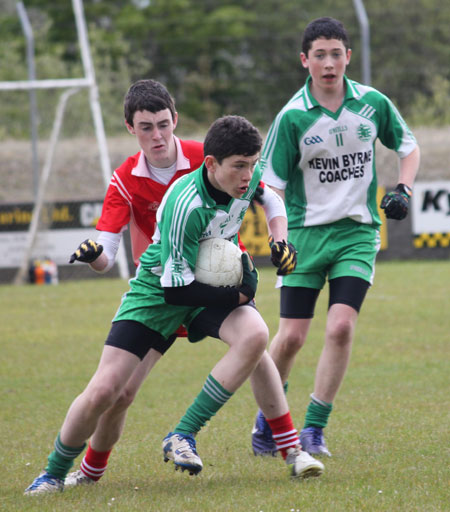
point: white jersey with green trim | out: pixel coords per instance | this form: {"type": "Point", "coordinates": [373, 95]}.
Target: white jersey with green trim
{"type": "Point", "coordinates": [188, 215]}
{"type": "Point", "coordinates": [325, 161]}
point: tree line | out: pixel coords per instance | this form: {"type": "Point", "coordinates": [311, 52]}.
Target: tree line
{"type": "Point", "coordinates": [216, 58]}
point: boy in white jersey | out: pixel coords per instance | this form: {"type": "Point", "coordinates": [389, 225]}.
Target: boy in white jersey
{"type": "Point", "coordinates": [210, 202]}
{"type": "Point", "coordinates": [319, 157]}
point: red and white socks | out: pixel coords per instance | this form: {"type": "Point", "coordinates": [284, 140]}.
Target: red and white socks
{"type": "Point", "coordinates": [94, 463]}
{"type": "Point", "coordinates": [284, 433]}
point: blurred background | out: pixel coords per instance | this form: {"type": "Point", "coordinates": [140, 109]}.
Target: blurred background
{"type": "Point", "coordinates": [221, 57]}
{"type": "Point", "coordinates": [215, 57]}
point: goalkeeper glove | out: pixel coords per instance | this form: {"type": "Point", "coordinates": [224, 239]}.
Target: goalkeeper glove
{"type": "Point", "coordinates": [257, 198]}
{"type": "Point", "coordinates": [283, 256]}
{"type": "Point", "coordinates": [396, 203]}
{"type": "Point", "coordinates": [249, 277]}
{"type": "Point", "coordinates": [87, 252]}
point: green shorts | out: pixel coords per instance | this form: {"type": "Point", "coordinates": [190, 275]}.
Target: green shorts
{"type": "Point", "coordinates": [144, 303]}
{"type": "Point", "coordinates": [344, 248]}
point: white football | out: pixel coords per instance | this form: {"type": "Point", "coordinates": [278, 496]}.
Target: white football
{"type": "Point", "coordinates": [218, 263]}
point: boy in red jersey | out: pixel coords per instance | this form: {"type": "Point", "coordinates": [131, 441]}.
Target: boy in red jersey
{"type": "Point", "coordinates": [133, 196]}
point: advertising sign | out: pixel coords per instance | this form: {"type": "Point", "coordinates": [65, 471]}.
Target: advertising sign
{"type": "Point", "coordinates": [431, 214]}
{"type": "Point", "coordinates": [63, 226]}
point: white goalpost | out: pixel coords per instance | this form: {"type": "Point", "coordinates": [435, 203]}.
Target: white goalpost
{"type": "Point", "coordinates": [72, 85]}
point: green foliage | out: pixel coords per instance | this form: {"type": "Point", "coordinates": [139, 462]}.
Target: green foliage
{"type": "Point", "coordinates": [433, 109]}
{"type": "Point", "coordinates": [239, 56]}
{"type": "Point", "coordinates": [388, 431]}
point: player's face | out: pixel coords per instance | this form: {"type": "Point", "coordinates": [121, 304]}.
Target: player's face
{"type": "Point", "coordinates": [326, 61]}
{"type": "Point", "coordinates": [233, 175]}
{"type": "Point", "coordinates": [154, 132]}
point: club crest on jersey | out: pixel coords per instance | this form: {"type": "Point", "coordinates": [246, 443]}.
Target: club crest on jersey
{"type": "Point", "coordinates": [364, 132]}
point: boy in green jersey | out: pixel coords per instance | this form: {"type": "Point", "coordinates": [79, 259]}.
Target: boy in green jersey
{"type": "Point", "coordinates": [319, 157]}
{"type": "Point", "coordinates": [207, 203]}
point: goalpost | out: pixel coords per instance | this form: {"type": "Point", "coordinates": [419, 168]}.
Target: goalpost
{"type": "Point", "coordinates": [72, 85]}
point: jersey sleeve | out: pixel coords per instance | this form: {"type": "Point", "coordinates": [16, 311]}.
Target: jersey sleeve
{"type": "Point", "coordinates": [394, 133]}
{"type": "Point", "coordinates": [115, 211]}
{"type": "Point", "coordinates": [281, 151]}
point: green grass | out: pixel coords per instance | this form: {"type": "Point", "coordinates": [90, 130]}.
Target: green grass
{"type": "Point", "coordinates": [388, 432]}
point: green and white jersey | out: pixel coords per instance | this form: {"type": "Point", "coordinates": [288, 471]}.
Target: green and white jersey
{"type": "Point", "coordinates": [325, 161]}
{"type": "Point", "coordinates": [187, 215]}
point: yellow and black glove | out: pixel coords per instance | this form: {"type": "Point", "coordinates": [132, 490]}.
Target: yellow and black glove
{"type": "Point", "coordinates": [87, 252]}
{"type": "Point", "coordinates": [283, 256]}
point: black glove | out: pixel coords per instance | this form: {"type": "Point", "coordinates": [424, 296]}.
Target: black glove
{"type": "Point", "coordinates": [87, 252]}
{"type": "Point", "coordinates": [283, 256]}
{"type": "Point", "coordinates": [249, 277]}
{"type": "Point", "coordinates": [396, 203]}
{"type": "Point", "coordinates": [258, 198]}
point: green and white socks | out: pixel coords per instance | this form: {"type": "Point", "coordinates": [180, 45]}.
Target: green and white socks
{"type": "Point", "coordinates": [211, 398]}
{"type": "Point", "coordinates": [61, 459]}
{"type": "Point", "coordinates": [317, 413]}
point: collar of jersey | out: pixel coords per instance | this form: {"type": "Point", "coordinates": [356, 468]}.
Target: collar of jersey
{"type": "Point", "coordinates": [310, 102]}
{"type": "Point", "coordinates": [182, 162]}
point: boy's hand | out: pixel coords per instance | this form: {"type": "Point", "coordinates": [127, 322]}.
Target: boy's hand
{"type": "Point", "coordinates": [396, 203]}
{"type": "Point", "coordinates": [249, 277]}
{"type": "Point", "coordinates": [87, 252]}
{"type": "Point", "coordinates": [283, 256]}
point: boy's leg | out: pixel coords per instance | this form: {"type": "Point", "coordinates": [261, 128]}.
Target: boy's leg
{"type": "Point", "coordinates": [283, 349]}
{"type": "Point", "coordinates": [330, 372]}
{"type": "Point", "coordinates": [287, 342]}
{"type": "Point", "coordinates": [346, 297]}
{"type": "Point", "coordinates": [246, 334]}
{"type": "Point", "coordinates": [333, 361]}
{"type": "Point", "coordinates": [138, 339]}
{"type": "Point", "coordinates": [114, 370]}
{"type": "Point", "coordinates": [269, 394]}
{"type": "Point", "coordinates": [110, 427]}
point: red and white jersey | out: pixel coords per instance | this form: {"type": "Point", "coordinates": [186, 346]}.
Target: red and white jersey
{"type": "Point", "coordinates": [133, 196]}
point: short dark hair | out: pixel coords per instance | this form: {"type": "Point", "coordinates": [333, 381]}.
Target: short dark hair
{"type": "Point", "coordinates": [147, 95]}
{"type": "Point", "coordinates": [232, 135]}
{"type": "Point", "coordinates": [327, 28]}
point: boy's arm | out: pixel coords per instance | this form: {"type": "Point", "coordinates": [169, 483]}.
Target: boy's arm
{"type": "Point", "coordinates": [100, 255]}
{"type": "Point", "coordinates": [275, 211]}
{"type": "Point", "coordinates": [283, 253]}
{"type": "Point", "coordinates": [409, 167]}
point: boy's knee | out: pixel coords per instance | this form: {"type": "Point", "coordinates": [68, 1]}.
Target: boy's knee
{"type": "Point", "coordinates": [126, 398]}
{"type": "Point", "coordinates": [100, 397]}
{"type": "Point", "coordinates": [290, 342]}
{"type": "Point", "coordinates": [257, 339]}
{"type": "Point", "coordinates": [341, 332]}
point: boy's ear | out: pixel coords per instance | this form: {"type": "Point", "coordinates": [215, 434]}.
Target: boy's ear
{"type": "Point", "coordinates": [349, 56]}
{"type": "Point", "coordinates": [130, 128]}
{"type": "Point", "coordinates": [304, 60]}
{"type": "Point", "coordinates": [210, 163]}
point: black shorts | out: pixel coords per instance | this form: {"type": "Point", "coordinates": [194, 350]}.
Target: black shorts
{"type": "Point", "coordinates": [209, 321]}
{"type": "Point", "coordinates": [299, 302]}
{"type": "Point", "coordinates": [138, 339]}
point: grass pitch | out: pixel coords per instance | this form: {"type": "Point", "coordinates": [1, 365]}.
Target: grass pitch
{"type": "Point", "coordinates": [388, 432]}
